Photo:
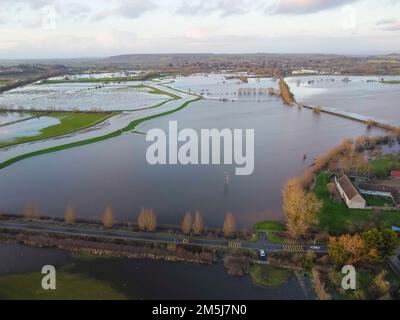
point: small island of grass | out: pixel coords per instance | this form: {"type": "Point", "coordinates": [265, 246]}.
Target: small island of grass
{"type": "Point", "coordinates": [267, 276]}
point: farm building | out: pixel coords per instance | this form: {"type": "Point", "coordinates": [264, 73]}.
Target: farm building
{"type": "Point", "coordinates": [381, 190]}
{"type": "Point", "coordinates": [349, 193]}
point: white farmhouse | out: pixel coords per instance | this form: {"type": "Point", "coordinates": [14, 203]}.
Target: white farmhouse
{"type": "Point", "coordinates": [350, 194]}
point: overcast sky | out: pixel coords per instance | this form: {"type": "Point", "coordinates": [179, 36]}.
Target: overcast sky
{"type": "Point", "coordinates": [73, 28]}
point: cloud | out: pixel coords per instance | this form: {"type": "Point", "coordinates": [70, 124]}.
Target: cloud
{"type": "Point", "coordinates": [395, 26]}
{"type": "Point", "coordinates": [127, 9]}
{"type": "Point", "coordinates": [389, 24]}
{"type": "Point", "coordinates": [221, 7]}
{"type": "Point", "coordinates": [385, 22]}
{"type": "Point", "coordinates": [308, 6]}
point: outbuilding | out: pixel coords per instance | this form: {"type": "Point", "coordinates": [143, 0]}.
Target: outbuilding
{"type": "Point", "coordinates": [349, 193]}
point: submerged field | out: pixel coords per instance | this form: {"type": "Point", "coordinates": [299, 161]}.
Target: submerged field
{"type": "Point", "coordinates": [115, 171]}
{"type": "Point", "coordinates": [67, 123]}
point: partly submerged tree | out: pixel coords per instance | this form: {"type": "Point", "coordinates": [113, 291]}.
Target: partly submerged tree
{"type": "Point", "coordinates": [108, 217]}
{"type": "Point", "coordinates": [198, 224]}
{"type": "Point", "coordinates": [187, 223]}
{"type": "Point", "coordinates": [229, 225]}
{"type": "Point", "coordinates": [31, 211]}
{"type": "Point", "coordinates": [70, 215]}
{"type": "Point", "coordinates": [147, 220]}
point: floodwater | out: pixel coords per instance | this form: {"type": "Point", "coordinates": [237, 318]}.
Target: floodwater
{"type": "Point", "coordinates": [7, 117]}
{"type": "Point", "coordinates": [365, 96]}
{"type": "Point", "coordinates": [28, 128]}
{"type": "Point", "coordinates": [115, 172]}
{"type": "Point", "coordinates": [147, 279]}
{"type": "Point", "coordinates": [80, 96]}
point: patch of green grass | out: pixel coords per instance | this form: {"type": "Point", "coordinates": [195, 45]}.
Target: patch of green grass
{"type": "Point", "coordinates": [69, 286]}
{"type": "Point", "coordinates": [273, 230]}
{"type": "Point", "coordinates": [390, 81]}
{"type": "Point", "coordinates": [69, 122]}
{"type": "Point", "coordinates": [267, 276]}
{"type": "Point", "coordinates": [269, 225]}
{"type": "Point", "coordinates": [337, 218]}
{"type": "Point", "coordinates": [376, 201]}
{"type": "Point", "coordinates": [153, 90]}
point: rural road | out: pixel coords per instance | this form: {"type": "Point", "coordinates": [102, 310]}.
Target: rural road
{"type": "Point", "coordinates": [261, 244]}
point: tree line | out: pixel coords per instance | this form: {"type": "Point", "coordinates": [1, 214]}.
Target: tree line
{"type": "Point", "coordinates": [146, 220]}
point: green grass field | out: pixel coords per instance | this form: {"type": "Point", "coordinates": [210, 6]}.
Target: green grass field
{"type": "Point", "coordinates": [70, 122]}
{"type": "Point", "coordinates": [68, 287]}
{"type": "Point", "coordinates": [268, 276]}
{"type": "Point", "coordinates": [337, 218]}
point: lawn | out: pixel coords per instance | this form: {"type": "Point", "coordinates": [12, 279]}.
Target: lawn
{"type": "Point", "coordinates": [273, 229]}
{"type": "Point", "coordinates": [70, 122]}
{"type": "Point", "coordinates": [69, 287]}
{"type": "Point", "coordinates": [268, 276]}
{"type": "Point", "coordinates": [337, 218]}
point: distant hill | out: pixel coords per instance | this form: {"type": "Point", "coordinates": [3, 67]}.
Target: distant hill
{"type": "Point", "coordinates": [154, 60]}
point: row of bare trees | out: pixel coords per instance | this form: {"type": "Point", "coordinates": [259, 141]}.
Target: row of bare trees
{"type": "Point", "coordinates": [196, 225]}
{"type": "Point", "coordinates": [147, 220]}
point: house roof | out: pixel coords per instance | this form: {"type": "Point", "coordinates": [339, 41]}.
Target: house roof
{"type": "Point", "coordinates": [348, 187]}
{"type": "Point", "coordinates": [395, 174]}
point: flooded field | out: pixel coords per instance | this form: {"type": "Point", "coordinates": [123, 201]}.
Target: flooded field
{"type": "Point", "coordinates": [9, 117]}
{"type": "Point", "coordinates": [26, 128]}
{"type": "Point", "coordinates": [365, 96]}
{"type": "Point", "coordinates": [115, 172]}
{"type": "Point", "coordinates": [80, 96]}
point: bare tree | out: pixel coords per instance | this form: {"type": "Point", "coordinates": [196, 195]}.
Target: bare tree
{"type": "Point", "coordinates": [147, 220]}
{"type": "Point", "coordinates": [198, 224]}
{"type": "Point", "coordinates": [31, 211]}
{"type": "Point", "coordinates": [108, 217]}
{"type": "Point", "coordinates": [187, 223]}
{"type": "Point", "coordinates": [152, 220]}
{"type": "Point", "coordinates": [69, 215]}
{"type": "Point", "coordinates": [229, 225]}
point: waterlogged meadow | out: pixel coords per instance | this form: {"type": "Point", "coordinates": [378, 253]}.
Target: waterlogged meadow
{"type": "Point", "coordinates": [115, 172]}
{"type": "Point", "coordinates": [80, 96]}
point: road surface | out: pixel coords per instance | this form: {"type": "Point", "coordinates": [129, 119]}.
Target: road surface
{"type": "Point", "coordinates": [261, 244]}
